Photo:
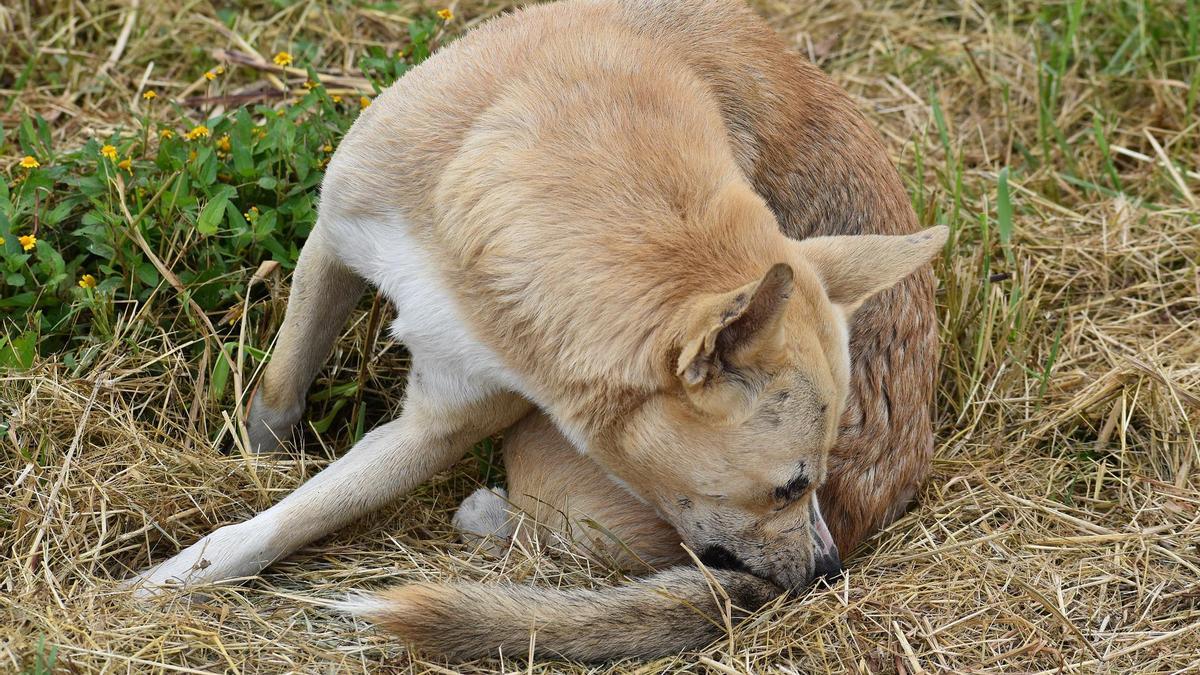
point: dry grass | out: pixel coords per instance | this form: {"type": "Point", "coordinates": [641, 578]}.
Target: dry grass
{"type": "Point", "coordinates": [1059, 531]}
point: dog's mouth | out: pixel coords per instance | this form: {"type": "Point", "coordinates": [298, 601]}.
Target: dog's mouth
{"type": "Point", "coordinates": [826, 563]}
{"type": "Point", "coordinates": [720, 558]}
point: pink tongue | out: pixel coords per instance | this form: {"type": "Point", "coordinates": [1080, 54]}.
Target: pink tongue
{"type": "Point", "coordinates": [822, 530]}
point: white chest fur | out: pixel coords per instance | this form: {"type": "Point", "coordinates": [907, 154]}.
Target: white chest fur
{"type": "Point", "coordinates": [428, 319]}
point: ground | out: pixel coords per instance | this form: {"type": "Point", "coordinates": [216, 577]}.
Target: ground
{"type": "Point", "coordinates": [1059, 529]}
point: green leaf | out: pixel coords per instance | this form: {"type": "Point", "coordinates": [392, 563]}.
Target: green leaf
{"type": "Point", "coordinates": [1004, 214]}
{"type": "Point", "coordinates": [277, 251]}
{"type": "Point", "coordinates": [57, 214]}
{"type": "Point", "coordinates": [322, 425]}
{"type": "Point", "coordinates": [220, 373]}
{"type": "Point", "coordinates": [242, 141]}
{"type": "Point", "coordinates": [210, 217]}
{"type": "Point", "coordinates": [212, 213]}
{"type": "Point", "coordinates": [18, 352]}
{"type": "Point", "coordinates": [205, 167]}
{"type": "Point", "coordinates": [176, 196]}
{"type": "Point", "coordinates": [345, 390]}
{"type": "Point", "coordinates": [265, 225]}
{"type": "Point", "coordinates": [148, 274]}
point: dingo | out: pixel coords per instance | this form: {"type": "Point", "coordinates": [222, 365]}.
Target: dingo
{"type": "Point", "coordinates": [653, 223]}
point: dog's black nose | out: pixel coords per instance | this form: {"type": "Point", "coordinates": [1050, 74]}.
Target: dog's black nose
{"type": "Point", "coordinates": [829, 568]}
{"type": "Point", "coordinates": [721, 558]}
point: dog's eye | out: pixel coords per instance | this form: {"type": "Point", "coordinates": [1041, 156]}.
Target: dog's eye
{"type": "Point", "coordinates": [794, 489]}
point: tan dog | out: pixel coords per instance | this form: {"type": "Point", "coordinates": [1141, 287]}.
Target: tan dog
{"type": "Point", "coordinates": [584, 208]}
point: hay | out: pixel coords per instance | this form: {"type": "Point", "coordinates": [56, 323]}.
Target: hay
{"type": "Point", "coordinates": [1060, 531]}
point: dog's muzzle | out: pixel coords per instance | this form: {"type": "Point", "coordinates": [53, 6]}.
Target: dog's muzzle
{"type": "Point", "coordinates": [824, 563]}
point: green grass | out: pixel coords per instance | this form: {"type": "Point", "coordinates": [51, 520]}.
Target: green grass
{"type": "Point", "coordinates": [44, 660]}
{"type": "Point", "coordinates": [207, 191]}
{"type": "Point", "coordinates": [212, 193]}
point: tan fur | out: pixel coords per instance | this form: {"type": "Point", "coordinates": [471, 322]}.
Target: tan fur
{"type": "Point", "coordinates": [597, 198]}
{"type": "Point", "coordinates": [805, 148]}
{"type": "Point", "coordinates": [470, 620]}
{"type": "Point", "coordinates": [567, 495]}
{"type": "Point", "coordinates": [522, 219]}
{"type": "Point", "coordinates": [850, 273]}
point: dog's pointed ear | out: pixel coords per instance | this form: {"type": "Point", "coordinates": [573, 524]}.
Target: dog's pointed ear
{"type": "Point", "coordinates": [853, 268]}
{"type": "Point", "coordinates": [723, 326]}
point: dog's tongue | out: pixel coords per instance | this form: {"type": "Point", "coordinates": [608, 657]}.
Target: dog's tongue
{"type": "Point", "coordinates": [822, 530]}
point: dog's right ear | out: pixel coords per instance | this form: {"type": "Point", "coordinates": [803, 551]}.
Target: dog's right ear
{"type": "Point", "coordinates": [854, 267]}
{"type": "Point", "coordinates": [726, 330]}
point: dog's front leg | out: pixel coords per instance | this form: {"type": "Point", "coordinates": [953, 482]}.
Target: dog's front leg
{"type": "Point", "coordinates": [441, 418]}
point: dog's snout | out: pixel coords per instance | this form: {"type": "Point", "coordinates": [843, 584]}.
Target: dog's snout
{"type": "Point", "coordinates": [721, 558]}
{"type": "Point", "coordinates": [793, 551]}
{"type": "Point", "coordinates": [828, 568]}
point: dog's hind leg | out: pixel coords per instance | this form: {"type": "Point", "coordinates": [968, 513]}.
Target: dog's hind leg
{"type": "Point", "coordinates": [324, 290]}
{"type": "Point", "coordinates": [557, 495]}
{"type": "Point", "coordinates": [444, 413]}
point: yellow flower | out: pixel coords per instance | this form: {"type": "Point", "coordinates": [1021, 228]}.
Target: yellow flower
{"type": "Point", "coordinates": [29, 162]}
{"type": "Point", "coordinates": [260, 133]}
{"type": "Point", "coordinates": [166, 133]}
{"type": "Point", "coordinates": [445, 14]}
{"type": "Point", "coordinates": [198, 131]}
{"type": "Point", "coordinates": [150, 95]}
{"type": "Point", "coordinates": [336, 99]}
{"type": "Point", "coordinates": [223, 143]}
{"type": "Point", "coordinates": [87, 281]}
{"type": "Point", "coordinates": [28, 241]}
{"type": "Point", "coordinates": [283, 59]}
{"type": "Point", "coordinates": [220, 70]}
{"type": "Point", "coordinates": [109, 152]}
{"type": "Point", "coordinates": [309, 85]}
{"type": "Point", "coordinates": [327, 147]}
{"type": "Point", "coordinates": [252, 214]}
{"type": "Point", "coordinates": [210, 75]}
{"type": "Point", "coordinates": [126, 164]}
{"type": "Point", "coordinates": [364, 101]}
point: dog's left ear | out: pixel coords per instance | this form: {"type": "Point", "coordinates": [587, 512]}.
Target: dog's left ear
{"type": "Point", "coordinates": [731, 330]}
{"type": "Point", "coordinates": [853, 268]}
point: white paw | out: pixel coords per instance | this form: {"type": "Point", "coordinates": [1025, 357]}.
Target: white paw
{"type": "Point", "coordinates": [483, 520]}
{"type": "Point", "coordinates": [231, 552]}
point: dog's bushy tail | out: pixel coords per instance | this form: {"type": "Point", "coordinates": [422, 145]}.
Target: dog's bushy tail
{"type": "Point", "coordinates": [662, 614]}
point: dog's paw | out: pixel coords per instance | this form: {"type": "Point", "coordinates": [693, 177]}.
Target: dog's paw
{"type": "Point", "coordinates": [483, 520]}
{"type": "Point", "coordinates": [269, 428]}
{"type": "Point", "coordinates": [232, 552]}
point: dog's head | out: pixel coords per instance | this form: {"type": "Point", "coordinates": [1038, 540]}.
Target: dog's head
{"type": "Point", "coordinates": [732, 451]}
